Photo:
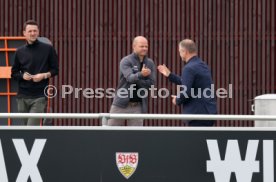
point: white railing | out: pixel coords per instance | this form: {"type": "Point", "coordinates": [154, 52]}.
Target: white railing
{"type": "Point", "coordinates": [105, 116]}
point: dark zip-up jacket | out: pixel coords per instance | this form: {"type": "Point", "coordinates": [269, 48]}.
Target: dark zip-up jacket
{"type": "Point", "coordinates": [130, 74]}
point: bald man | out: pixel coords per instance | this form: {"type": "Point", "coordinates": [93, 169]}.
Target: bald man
{"type": "Point", "coordinates": [195, 81]}
{"type": "Point", "coordinates": [137, 75]}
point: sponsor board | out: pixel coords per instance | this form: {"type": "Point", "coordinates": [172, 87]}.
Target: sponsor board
{"type": "Point", "coordinates": [70, 155]}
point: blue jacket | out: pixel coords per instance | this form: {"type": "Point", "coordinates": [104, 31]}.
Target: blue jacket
{"type": "Point", "coordinates": [197, 80]}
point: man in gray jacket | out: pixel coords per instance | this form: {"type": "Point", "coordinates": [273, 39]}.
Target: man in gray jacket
{"type": "Point", "coordinates": [137, 75]}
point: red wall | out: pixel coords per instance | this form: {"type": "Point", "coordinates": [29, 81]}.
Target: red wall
{"type": "Point", "coordinates": [236, 38]}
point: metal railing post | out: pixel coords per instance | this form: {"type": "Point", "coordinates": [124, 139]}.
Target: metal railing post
{"type": "Point", "coordinates": [104, 118]}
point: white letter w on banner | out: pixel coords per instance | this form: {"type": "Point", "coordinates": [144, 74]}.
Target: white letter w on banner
{"type": "Point", "coordinates": [243, 169]}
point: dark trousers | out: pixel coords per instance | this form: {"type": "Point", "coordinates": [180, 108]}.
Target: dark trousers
{"type": "Point", "coordinates": [201, 123]}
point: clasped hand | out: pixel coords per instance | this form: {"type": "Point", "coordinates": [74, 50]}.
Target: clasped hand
{"type": "Point", "coordinates": [36, 78]}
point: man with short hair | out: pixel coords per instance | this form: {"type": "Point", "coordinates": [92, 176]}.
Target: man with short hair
{"type": "Point", "coordinates": [195, 78]}
{"type": "Point", "coordinates": [137, 74]}
{"type": "Point", "coordinates": [34, 64]}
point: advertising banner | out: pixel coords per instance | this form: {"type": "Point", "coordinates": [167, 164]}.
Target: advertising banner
{"type": "Point", "coordinates": [113, 154]}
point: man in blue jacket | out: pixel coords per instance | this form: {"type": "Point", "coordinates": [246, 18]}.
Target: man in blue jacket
{"type": "Point", "coordinates": [196, 83]}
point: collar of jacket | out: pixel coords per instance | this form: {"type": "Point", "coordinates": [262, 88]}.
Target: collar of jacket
{"type": "Point", "coordinates": [33, 44]}
{"type": "Point", "coordinates": [194, 58]}
{"type": "Point", "coordinates": [137, 57]}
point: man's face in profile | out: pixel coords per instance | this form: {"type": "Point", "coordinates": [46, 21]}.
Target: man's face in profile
{"type": "Point", "coordinates": [182, 53]}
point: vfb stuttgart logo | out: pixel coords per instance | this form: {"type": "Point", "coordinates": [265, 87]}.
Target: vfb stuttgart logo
{"type": "Point", "coordinates": [127, 162]}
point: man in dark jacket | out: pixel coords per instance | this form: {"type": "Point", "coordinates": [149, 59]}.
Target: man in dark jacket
{"type": "Point", "coordinates": [196, 83]}
{"type": "Point", "coordinates": [137, 75]}
{"type": "Point", "coordinates": [34, 64]}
